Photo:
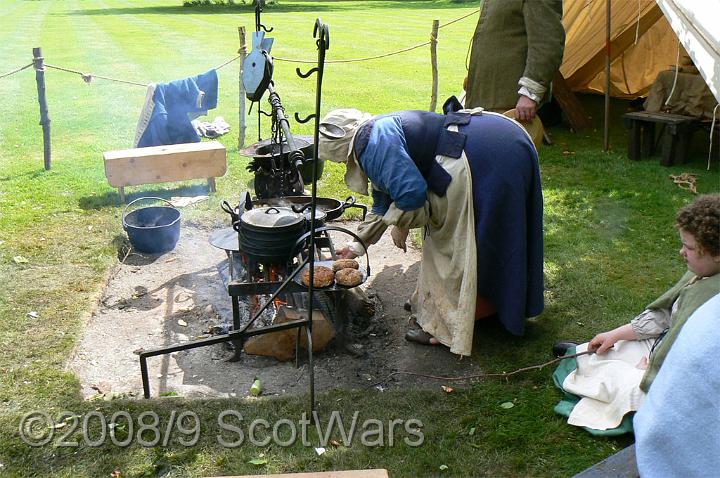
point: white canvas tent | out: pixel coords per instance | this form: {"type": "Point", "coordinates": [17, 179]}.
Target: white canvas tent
{"type": "Point", "coordinates": [644, 41]}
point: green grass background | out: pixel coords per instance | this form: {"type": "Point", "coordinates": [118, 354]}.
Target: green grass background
{"type": "Point", "coordinates": [609, 240]}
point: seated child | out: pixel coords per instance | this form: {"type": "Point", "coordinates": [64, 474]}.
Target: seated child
{"type": "Point", "coordinates": [613, 380]}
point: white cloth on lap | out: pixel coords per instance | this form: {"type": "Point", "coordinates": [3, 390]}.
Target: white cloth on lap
{"type": "Point", "coordinates": [609, 384]}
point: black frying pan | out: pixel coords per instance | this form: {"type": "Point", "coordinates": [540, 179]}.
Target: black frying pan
{"type": "Point", "coordinates": [333, 208]}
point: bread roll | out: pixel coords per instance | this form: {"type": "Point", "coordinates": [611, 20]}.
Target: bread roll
{"type": "Point", "coordinates": [323, 277]}
{"type": "Point", "coordinates": [348, 277]}
{"type": "Point", "coordinates": [345, 264]}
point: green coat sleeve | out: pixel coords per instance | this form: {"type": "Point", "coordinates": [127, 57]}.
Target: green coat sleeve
{"type": "Point", "coordinates": [545, 39]}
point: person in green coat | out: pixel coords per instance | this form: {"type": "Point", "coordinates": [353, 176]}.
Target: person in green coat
{"type": "Point", "coordinates": [624, 361]}
{"type": "Point", "coordinates": [517, 49]}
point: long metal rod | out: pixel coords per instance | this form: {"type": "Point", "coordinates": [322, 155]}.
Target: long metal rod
{"type": "Point", "coordinates": [229, 337]}
{"type": "Point", "coordinates": [235, 335]}
{"type": "Point", "coordinates": [295, 155]}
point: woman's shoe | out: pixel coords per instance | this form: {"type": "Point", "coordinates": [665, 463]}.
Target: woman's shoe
{"type": "Point", "coordinates": [419, 336]}
{"type": "Point", "coordinates": [407, 306]}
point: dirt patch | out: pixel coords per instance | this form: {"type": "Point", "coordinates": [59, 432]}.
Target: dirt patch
{"type": "Point", "coordinates": [155, 301]}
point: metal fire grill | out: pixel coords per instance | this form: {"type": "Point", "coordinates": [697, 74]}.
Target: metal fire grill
{"type": "Point", "coordinates": [278, 279]}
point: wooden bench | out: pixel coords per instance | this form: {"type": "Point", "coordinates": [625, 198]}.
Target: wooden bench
{"type": "Point", "coordinates": [162, 164]}
{"type": "Point", "coordinates": [678, 130]}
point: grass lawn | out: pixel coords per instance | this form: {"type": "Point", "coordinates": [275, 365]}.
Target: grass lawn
{"type": "Point", "coordinates": [610, 244]}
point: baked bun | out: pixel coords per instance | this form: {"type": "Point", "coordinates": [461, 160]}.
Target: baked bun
{"type": "Point", "coordinates": [345, 264]}
{"type": "Point", "coordinates": [348, 277]}
{"type": "Point", "coordinates": [324, 276]}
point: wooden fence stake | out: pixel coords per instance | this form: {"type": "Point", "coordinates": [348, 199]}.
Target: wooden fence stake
{"type": "Point", "coordinates": [433, 61]}
{"type": "Point", "coordinates": [242, 51]}
{"type": "Point", "coordinates": [39, 64]}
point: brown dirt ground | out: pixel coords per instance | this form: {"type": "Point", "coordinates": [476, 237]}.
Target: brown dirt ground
{"type": "Point", "coordinates": [155, 301]}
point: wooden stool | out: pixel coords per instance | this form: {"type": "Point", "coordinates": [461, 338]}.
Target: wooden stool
{"type": "Point", "coordinates": [162, 164]}
{"type": "Point", "coordinates": [676, 137]}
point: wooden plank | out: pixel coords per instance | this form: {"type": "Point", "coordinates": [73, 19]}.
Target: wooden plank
{"type": "Point", "coordinates": [620, 465]}
{"type": "Point", "coordinates": [571, 106]}
{"type": "Point", "coordinates": [667, 118]}
{"type": "Point", "coordinates": [160, 164]}
{"type": "Point", "coordinates": [377, 473]}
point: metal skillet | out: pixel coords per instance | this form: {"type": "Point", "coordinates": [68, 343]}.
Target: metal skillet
{"type": "Point", "coordinates": [333, 208]}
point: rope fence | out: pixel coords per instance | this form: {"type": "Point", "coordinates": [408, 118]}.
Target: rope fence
{"type": "Point", "coordinates": [88, 77]}
{"type": "Point", "coordinates": [352, 60]}
{"type": "Point", "coordinates": [384, 55]}
{"type": "Point", "coordinates": [16, 70]}
{"type": "Point", "coordinates": [41, 68]}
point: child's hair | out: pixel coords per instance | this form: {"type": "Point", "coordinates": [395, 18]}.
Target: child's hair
{"type": "Point", "coordinates": [701, 218]}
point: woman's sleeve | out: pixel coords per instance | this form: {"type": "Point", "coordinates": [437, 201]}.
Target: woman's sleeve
{"type": "Point", "coordinates": [390, 168]}
{"type": "Point", "coordinates": [407, 219]}
{"type": "Point", "coordinates": [650, 323]}
{"type": "Point", "coordinates": [370, 231]}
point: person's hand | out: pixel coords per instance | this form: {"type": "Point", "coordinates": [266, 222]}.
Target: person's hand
{"type": "Point", "coordinates": [345, 253]}
{"type": "Point", "coordinates": [465, 82]}
{"type": "Point", "coordinates": [525, 109]}
{"type": "Point", "coordinates": [642, 364]}
{"type": "Point", "coordinates": [602, 342]}
{"type": "Point", "coordinates": [399, 236]}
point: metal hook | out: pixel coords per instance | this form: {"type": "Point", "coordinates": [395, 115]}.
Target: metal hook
{"type": "Point", "coordinates": [264, 112]}
{"type": "Point", "coordinates": [305, 75]}
{"type": "Point", "coordinates": [324, 33]}
{"type": "Point", "coordinates": [259, 5]}
{"type": "Point", "coordinates": [304, 120]}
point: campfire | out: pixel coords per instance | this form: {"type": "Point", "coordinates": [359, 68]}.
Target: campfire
{"type": "Point", "coordinates": [279, 241]}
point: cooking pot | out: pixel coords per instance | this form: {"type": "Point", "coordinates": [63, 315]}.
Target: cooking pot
{"type": "Point", "coordinates": [152, 229]}
{"type": "Point", "coordinates": [264, 151]}
{"type": "Point", "coordinates": [269, 233]}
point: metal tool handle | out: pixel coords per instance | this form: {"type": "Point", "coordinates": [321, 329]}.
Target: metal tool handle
{"type": "Point", "coordinates": [227, 207]}
{"type": "Point", "coordinates": [351, 202]}
{"type": "Point", "coordinates": [301, 207]}
{"type": "Point", "coordinates": [125, 224]}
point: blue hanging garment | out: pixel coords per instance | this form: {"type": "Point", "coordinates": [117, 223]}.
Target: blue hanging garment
{"type": "Point", "coordinates": [166, 118]}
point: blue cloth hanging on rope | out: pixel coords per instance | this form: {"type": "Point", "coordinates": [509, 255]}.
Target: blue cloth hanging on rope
{"type": "Point", "coordinates": [166, 119]}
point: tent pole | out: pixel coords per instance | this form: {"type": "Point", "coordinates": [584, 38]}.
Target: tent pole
{"type": "Point", "coordinates": [606, 132]}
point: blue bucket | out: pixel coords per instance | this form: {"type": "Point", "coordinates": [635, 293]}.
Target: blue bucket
{"type": "Point", "coordinates": [152, 229]}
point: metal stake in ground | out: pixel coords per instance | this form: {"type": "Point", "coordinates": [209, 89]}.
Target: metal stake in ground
{"type": "Point", "coordinates": [39, 63]}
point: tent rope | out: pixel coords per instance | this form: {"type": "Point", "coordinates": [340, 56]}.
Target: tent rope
{"type": "Point", "coordinates": [712, 129]}
{"type": "Point", "coordinates": [677, 72]}
{"type": "Point", "coordinates": [686, 181]}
